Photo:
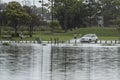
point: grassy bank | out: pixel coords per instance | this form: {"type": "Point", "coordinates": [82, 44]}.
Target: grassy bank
{"type": "Point", "coordinates": [107, 32]}
{"type": "Point", "coordinates": [102, 33]}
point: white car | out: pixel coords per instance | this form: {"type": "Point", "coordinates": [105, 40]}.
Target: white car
{"type": "Point", "coordinates": [89, 38]}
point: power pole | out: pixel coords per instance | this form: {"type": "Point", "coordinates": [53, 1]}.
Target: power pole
{"type": "Point", "coordinates": [42, 11]}
{"type": "Point", "coordinates": [33, 2]}
{"type": "Point", "coordinates": [52, 10]}
{"type": "Point", "coordinates": [42, 15]}
{"type": "Point", "coordinates": [0, 1]}
{"type": "Point", "coordinates": [65, 18]}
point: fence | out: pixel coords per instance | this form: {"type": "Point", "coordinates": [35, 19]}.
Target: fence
{"type": "Point", "coordinates": [57, 41]}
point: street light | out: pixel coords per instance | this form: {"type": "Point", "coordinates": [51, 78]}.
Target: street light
{"type": "Point", "coordinates": [41, 1]}
{"type": "Point", "coordinates": [51, 8]}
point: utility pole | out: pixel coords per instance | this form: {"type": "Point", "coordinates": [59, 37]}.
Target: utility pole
{"type": "Point", "coordinates": [42, 15]}
{"type": "Point", "coordinates": [33, 2]}
{"type": "Point", "coordinates": [119, 34]}
{"type": "Point", "coordinates": [42, 11]}
{"type": "Point", "coordinates": [65, 17]}
{"type": "Point", "coordinates": [0, 17]}
{"type": "Point", "coordinates": [41, 1]}
{"type": "Point", "coordinates": [52, 10]}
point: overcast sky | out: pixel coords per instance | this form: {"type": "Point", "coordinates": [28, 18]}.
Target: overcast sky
{"type": "Point", "coordinates": [36, 1]}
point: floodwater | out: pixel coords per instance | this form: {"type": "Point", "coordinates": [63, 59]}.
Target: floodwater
{"type": "Point", "coordinates": [37, 62]}
{"type": "Point", "coordinates": [24, 62]}
{"type": "Point", "coordinates": [86, 63]}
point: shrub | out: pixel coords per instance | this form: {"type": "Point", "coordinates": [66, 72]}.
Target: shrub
{"type": "Point", "coordinates": [55, 26]}
{"type": "Point", "coordinates": [5, 44]}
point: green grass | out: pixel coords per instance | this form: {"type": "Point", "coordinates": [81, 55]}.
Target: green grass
{"type": "Point", "coordinates": [59, 36]}
{"type": "Point", "coordinates": [102, 33]}
{"type": "Point", "coordinates": [97, 30]}
{"type": "Point", "coordinates": [108, 38]}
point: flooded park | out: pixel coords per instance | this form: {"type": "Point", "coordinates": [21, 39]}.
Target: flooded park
{"type": "Point", "coordinates": [59, 39]}
{"type": "Point", "coordinates": [59, 62]}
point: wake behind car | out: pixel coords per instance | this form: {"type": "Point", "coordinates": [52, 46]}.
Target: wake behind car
{"type": "Point", "coordinates": [89, 38]}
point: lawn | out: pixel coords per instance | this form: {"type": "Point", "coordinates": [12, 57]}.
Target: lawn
{"type": "Point", "coordinates": [102, 33]}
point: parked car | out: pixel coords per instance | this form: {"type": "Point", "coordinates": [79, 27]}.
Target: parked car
{"type": "Point", "coordinates": [89, 38]}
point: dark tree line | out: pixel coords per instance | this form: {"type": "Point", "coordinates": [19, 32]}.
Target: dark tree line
{"type": "Point", "coordinates": [83, 13]}
{"type": "Point", "coordinates": [69, 13]}
{"type": "Point", "coordinates": [15, 16]}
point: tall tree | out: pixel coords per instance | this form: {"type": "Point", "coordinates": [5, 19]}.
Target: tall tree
{"type": "Point", "coordinates": [110, 10]}
{"type": "Point", "coordinates": [66, 12]}
{"type": "Point", "coordinates": [35, 19]}
{"type": "Point", "coordinates": [93, 10]}
{"type": "Point", "coordinates": [2, 15]}
{"type": "Point", "coordinates": [16, 15]}
{"type": "Point", "coordinates": [76, 13]}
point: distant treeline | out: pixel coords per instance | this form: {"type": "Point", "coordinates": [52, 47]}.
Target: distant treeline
{"type": "Point", "coordinates": [69, 14]}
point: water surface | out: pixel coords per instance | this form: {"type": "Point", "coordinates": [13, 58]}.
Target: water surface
{"type": "Point", "coordinates": [37, 62]}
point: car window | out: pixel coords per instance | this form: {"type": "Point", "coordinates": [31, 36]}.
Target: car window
{"type": "Point", "coordinates": [87, 35]}
{"type": "Point", "coordinates": [93, 36]}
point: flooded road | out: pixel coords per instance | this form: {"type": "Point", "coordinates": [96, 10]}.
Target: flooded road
{"type": "Point", "coordinates": [86, 63]}
{"type": "Point", "coordinates": [37, 62]}
{"type": "Point", "coordinates": [24, 62]}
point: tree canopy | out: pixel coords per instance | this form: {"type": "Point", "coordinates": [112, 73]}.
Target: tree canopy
{"type": "Point", "coordinates": [16, 15]}
{"type": "Point", "coordinates": [69, 13]}
{"type": "Point", "coordinates": [81, 13]}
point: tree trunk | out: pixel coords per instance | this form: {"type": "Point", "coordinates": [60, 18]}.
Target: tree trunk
{"type": "Point", "coordinates": [65, 22]}
{"type": "Point", "coordinates": [15, 23]}
{"type": "Point", "coordinates": [30, 30]}
{"type": "Point", "coordinates": [119, 32]}
{"type": "Point", "coordinates": [65, 19]}
{"type": "Point", "coordinates": [0, 31]}
{"type": "Point", "coordinates": [16, 30]}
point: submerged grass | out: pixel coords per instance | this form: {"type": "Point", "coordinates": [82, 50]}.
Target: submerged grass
{"type": "Point", "coordinates": [6, 44]}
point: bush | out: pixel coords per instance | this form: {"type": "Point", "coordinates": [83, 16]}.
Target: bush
{"type": "Point", "coordinates": [15, 35]}
{"type": "Point", "coordinates": [55, 26]}
{"type": "Point", "coordinates": [5, 44]}
{"type": "Point", "coordinates": [43, 23]}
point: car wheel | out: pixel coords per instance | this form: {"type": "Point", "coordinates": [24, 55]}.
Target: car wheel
{"type": "Point", "coordinates": [89, 40]}
{"type": "Point", "coordinates": [96, 41]}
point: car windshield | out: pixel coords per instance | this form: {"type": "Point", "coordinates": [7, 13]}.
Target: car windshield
{"type": "Point", "coordinates": [87, 35]}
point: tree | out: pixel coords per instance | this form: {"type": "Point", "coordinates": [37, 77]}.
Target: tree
{"type": "Point", "coordinates": [35, 19]}
{"type": "Point", "coordinates": [75, 13]}
{"type": "Point", "coordinates": [2, 16]}
{"type": "Point", "coordinates": [40, 13]}
{"type": "Point", "coordinates": [65, 11]}
{"type": "Point", "coordinates": [110, 10]}
{"type": "Point", "coordinates": [16, 14]}
{"type": "Point", "coordinates": [54, 25]}
{"type": "Point", "coordinates": [93, 10]}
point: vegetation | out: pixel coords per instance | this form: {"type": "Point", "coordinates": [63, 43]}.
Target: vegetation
{"type": "Point", "coordinates": [102, 33]}
{"type": "Point", "coordinates": [80, 13]}
{"type": "Point", "coordinates": [6, 44]}
{"type": "Point", "coordinates": [16, 15]}
{"type": "Point", "coordinates": [68, 17]}
{"type": "Point", "coordinates": [55, 26]}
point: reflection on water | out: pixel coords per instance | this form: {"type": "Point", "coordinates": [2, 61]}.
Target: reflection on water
{"type": "Point", "coordinates": [22, 62]}
{"type": "Point", "coordinates": [85, 63]}
{"type": "Point", "coordinates": [37, 62]}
